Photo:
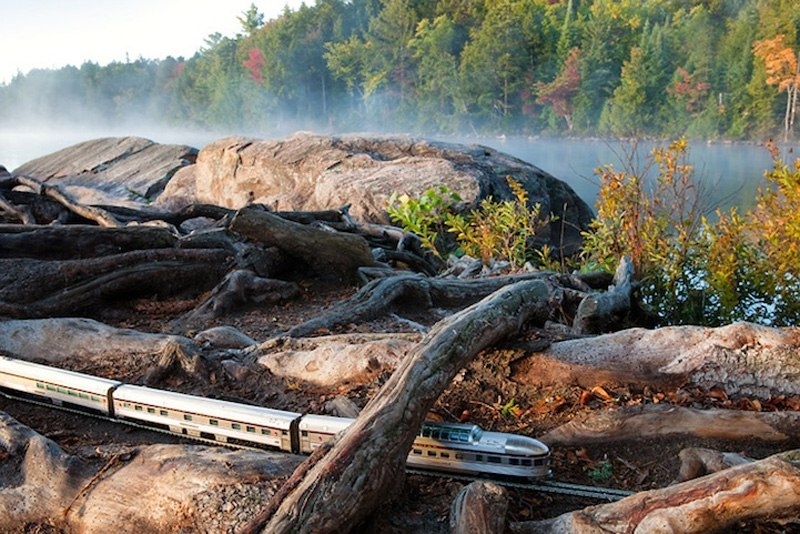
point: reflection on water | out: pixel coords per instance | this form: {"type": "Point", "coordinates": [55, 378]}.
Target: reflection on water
{"type": "Point", "coordinates": [728, 173]}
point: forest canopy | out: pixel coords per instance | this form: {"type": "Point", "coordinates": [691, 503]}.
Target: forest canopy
{"type": "Point", "coordinates": [706, 69]}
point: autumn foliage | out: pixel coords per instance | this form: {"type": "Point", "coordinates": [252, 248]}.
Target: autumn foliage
{"type": "Point", "coordinates": [560, 92]}
{"type": "Point", "coordinates": [254, 63]}
{"type": "Point", "coordinates": [783, 70]}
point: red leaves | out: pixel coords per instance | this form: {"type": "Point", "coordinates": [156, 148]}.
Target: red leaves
{"type": "Point", "coordinates": [254, 63]}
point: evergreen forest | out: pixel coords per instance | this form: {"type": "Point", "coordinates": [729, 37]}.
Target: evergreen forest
{"type": "Point", "coordinates": [703, 69]}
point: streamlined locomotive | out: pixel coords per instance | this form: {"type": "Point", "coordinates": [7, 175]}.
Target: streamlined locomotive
{"type": "Point", "coordinates": [450, 447]}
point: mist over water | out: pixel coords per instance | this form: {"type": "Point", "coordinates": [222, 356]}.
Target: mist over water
{"type": "Point", "coordinates": [728, 173]}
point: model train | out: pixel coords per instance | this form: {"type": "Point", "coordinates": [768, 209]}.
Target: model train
{"type": "Point", "coordinates": [451, 447]}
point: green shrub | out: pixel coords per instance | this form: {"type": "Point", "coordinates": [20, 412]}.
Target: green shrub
{"type": "Point", "coordinates": [425, 216]}
{"type": "Point", "coordinates": [693, 270]}
{"type": "Point", "coordinates": [496, 230]}
{"type": "Point", "coordinates": [500, 230]}
{"type": "Point", "coordinates": [659, 228]}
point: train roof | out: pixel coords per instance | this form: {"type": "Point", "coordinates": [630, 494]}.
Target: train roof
{"type": "Point", "coordinates": [53, 375]}
{"type": "Point", "coordinates": [325, 422]}
{"type": "Point", "coordinates": [204, 406]}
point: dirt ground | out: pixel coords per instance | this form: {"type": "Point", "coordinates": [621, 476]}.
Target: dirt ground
{"type": "Point", "coordinates": [485, 393]}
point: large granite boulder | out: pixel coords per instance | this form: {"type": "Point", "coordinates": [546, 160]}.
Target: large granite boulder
{"type": "Point", "coordinates": [124, 171]}
{"type": "Point", "coordinates": [314, 172]}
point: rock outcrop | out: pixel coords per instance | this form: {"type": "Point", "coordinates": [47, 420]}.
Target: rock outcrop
{"type": "Point", "coordinates": [301, 173]}
{"type": "Point", "coordinates": [127, 171]}
{"type": "Point", "coordinates": [315, 172]}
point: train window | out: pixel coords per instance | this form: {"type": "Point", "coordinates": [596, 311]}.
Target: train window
{"type": "Point", "coordinates": [236, 426]}
{"type": "Point", "coordinates": [213, 422]}
{"type": "Point", "coordinates": [126, 404]}
{"type": "Point", "coordinates": [39, 385]}
{"type": "Point", "coordinates": [426, 432]}
{"type": "Point", "coordinates": [61, 390]}
{"type": "Point", "coordinates": [83, 395]}
{"type": "Point", "coordinates": [251, 429]}
{"type": "Point", "coordinates": [417, 451]}
{"type": "Point", "coordinates": [95, 398]}
{"type": "Point", "coordinates": [445, 434]}
{"type": "Point", "coordinates": [513, 461]}
{"type": "Point", "coordinates": [151, 410]}
{"type": "Point", "coordinates": [163, 412]}
{"type": "Point", "coordinates": [459, 456]}
{"type": "Point", "coordinates": [538, 462]}
{"type": "Point", "coordinates": [285, 432]}
{"type": "Point", "coordinates": [431, 453]}
{"type": "Point", "coordinates": [187, 417]}
{"type": "Point", "coordinates": [494, 459]}
{"type": "Point", "coordinates": [478, 457]}
{"type": "Point", "coordinates": [526, 462]}
{"type": "Point", "coordinates": [445, 455]}
{"type": "Point", "coordinates": [435, 434]}
{"type": "Point", "coordinates": [72, 393]}
{"type": "Point", "coordinates": [51, 388]}
{"type": "Point", "coordinates": [139, 408]}
{"type": "Point", "coordinates": [304, 433]}
{"type": "Point", "coordinates": [265, 431]}
{"type": "Point", "coordinates": [475, 433]}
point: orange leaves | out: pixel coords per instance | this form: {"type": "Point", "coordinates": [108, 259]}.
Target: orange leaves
{"type": "Point", "coordinates": [780, 61]}
{"type": "Point", "coordinates": [597, 392]}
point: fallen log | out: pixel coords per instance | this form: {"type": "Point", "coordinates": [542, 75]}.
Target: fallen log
{"type": "Point", "coordinates": [32, 288]}
{"type": "Point", "coordinates": [766, 489]}
{"type": "Point", "coordinates": [602, 312]}
{"type": "Point", "coordinates": [740, 358]}
{"type": "Point", "coordinates": [654, 420]}
{"type": "Point", "coordinates": [91, 213]}
{"type": "Point", "coordinates": [366, 462]}
{"type": "Point", "coordinates": [379, 297]}
{"type": "Point", "coordinates": [328, 253]}
{"type": "Point", "coordinates": [79, 241]}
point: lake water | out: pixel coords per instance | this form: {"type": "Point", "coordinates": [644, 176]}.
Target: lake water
{"type": "Point", "coordinates": [729, 173]}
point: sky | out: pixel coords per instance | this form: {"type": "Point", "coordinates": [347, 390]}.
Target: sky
{"type": "Point", "coordinates": [51, 34]}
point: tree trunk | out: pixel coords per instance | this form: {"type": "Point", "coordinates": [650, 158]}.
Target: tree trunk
{"type": "Point", "coordinates": [767, 489]}
{"type": "Point", "coordinates": [365, 464]}
{"type": "Point", "coordinates": [480, 508]}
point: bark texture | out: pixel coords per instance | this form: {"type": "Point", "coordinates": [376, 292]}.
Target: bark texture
{"type": "Point", "coordinates": [364, 466]}
{"type": "Point", "coordinates": [768, 488]}
{"type": "Point", "coordinates": [479, 508]}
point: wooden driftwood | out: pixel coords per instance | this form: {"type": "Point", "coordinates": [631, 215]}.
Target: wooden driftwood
{"type": "Point", "coordinates": [97, 215]}
{"type": "Point", "coordinates": [479, 508]}
{"type": "Point", "coordinates": [365, 464]}
{"type": "Point", "coordinates": [598, 312]}
{"type": "Point", "coordinates": [30, 288]}
{"type": "Point", "coordinates": [651, 421]}
{"type": "Point", "coordinates": [328, 253]}
{"type": "Point", "coordinates": [766, 489]}
{"type": "Point", "coordinates": [697, 461]}
{"type": "Point", "coordinates": [379, 297]}
{"type": "Point", "coordinates": [237, 289]}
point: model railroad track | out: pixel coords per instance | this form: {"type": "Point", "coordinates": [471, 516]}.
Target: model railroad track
{"type": "Point", "coordinates": [547, 486]}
